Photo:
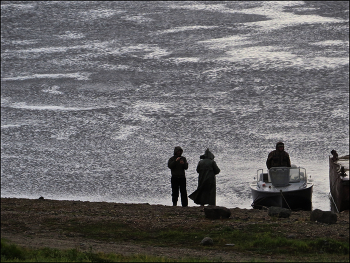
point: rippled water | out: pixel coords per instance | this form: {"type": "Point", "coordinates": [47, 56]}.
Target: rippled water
{"type": "Point", "coordinates": [96, 95]}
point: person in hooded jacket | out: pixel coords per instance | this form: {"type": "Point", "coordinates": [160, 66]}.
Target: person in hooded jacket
{"type": "Point", "coordinates": [206, 190]}
{"type": "Point", "coordinates": [178, 164]}
{"type": "Point", "coordinates": [278, 157]}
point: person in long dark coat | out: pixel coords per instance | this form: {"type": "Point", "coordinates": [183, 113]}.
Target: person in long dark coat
{"type": "Point", "coordinates": [206, 190]}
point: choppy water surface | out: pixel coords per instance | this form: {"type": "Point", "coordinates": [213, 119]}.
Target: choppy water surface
{"type": "Point", "coordinates": [96, 95]}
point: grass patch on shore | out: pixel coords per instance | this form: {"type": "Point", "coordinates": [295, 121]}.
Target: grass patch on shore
{"type": "Point", "coordinates": [13, 253]}
{"type": "Point", "coordinates": [170, 232]}
{"type": "Point", "coordinates": [261, 239]}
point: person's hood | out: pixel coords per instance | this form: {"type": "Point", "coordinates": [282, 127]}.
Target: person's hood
{"type": "Point", "coordinates": [207, 155]}
{"type": "Point", "coordinates": [278, 144]}
{"type": "Point", "coordinates": [177, 148]}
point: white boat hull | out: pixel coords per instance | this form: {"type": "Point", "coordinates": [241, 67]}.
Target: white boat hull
{"type": "Point", "coordinates": [286, 197]}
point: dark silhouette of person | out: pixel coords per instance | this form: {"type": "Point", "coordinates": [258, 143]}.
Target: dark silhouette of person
{"type": "Point", "coordinates": [335, 155]}
{"type": "Point", "coordinates": [278, 157]}
{"type": "Point", "coordinates": [178, 164]}
{"type": "Point", "coordinates": [206, 190]}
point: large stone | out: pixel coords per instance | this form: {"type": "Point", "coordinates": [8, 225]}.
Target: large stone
{"type": "Point", "coordinates": [279, 212]}
{"type": "Point", "coordinates": [327, 217]}
{"type": "Point", "coordinates": [207, 241]}
{"type": "Point", "coordinates": [216, 212]}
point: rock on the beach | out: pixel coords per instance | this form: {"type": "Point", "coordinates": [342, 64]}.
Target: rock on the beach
{"type": "Point", "coordinates": [216, 212]}
{"type": "Point", "coordinates": [207, 241]}
{"type": "Point", "coordinates": [279, 212]}
{"type": "Point", "coordinates": [327, 217]}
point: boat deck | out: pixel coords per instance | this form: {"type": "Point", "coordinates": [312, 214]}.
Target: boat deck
{"type": "Point", "coordinates": [268, 187]}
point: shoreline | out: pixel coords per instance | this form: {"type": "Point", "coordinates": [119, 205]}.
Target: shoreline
{"type": "Point", "coordinates": [120, 202]}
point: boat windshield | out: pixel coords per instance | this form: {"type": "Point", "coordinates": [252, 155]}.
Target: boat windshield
{"type": "Point", "coordinates": [282, 176]}
{"type": "Point", "coordinates": [294, 175]}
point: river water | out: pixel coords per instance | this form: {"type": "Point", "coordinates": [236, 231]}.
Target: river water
{"type": "Point", "coordinates": [96, 95]}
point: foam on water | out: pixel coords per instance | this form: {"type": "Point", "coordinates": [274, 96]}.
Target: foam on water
{"type": "Point", "coordinates": [179, 60]}
{"type": "Point", "coordinates": [23, 42]}
{"type": "Point", "coordinates": [17, 6]}
{"type": "Point", "coordinates": [202, 7]}
{"type": "Point", "coordinates": [71, 35]}
{"type": "Point", "coordinates": [182, 29]}
{"type": "Point", "coordinates": [98, 13]}
{"type": "Point", "coordinates": [125, 132]}
{"type": "Point", "coordinates": [92, 45]}
{"type": "Point", "coordinates": [279, 18]}
{"type": "Point", "coordinates": [23, 105]}
{"type": "Point", "coordinates": [274, 10]}
{"type": "Point", "coordinates": [270, 57]}
{"type": "Point", "coordinates": [53, 90]}
{"type": "Point", "coordinates": [140, 19]}
{"type": "Point", "coordinates": [78, 76]}
{"type": "Point", "coordinates": [332, 43]}
{"type": "Point", "coordinates": [5, 126]}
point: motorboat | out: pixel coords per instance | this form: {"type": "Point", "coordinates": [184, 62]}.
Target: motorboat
{"type": "Point", "coordinates": [285, 187]}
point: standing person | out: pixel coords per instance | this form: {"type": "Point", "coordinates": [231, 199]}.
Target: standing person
{"type": "Point", "coordinates": [206, 190]}
{"type": "Point", "coordinates": [278, 157]}
{"type": "Point", "coordinates": [178, 164]}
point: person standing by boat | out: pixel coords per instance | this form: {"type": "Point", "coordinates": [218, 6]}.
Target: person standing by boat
{"type": "Point", "coordinates": [206, 190]}
{"type": "Point", "coordinates": [178, 164]}
{"type": "Point", "coordinates": [278, 157]}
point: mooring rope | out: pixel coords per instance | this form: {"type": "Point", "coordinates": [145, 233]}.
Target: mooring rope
{"type": "Point", "coordinates": [285, 200]}
{"type": "Point", "coordinates": [332, 199]}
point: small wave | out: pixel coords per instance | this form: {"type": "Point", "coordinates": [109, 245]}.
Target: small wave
{"type": "Point", "coordinates": [78, 76]}
{"type": "Point", "coordinates": [71, 35]}
{"type": "Point", "coordinates": [271, 57]}
{"type": "Point", "coordinates": [5, 101]}
{"type": "Point", "coordinates": [23, 105]}
{"type": "Point", "coordinates": [331, 43]}
{"type": "Point", "coordinates": [24, 42]}
{"type": "Point", "coordinates": [153, 106]}
{"type": "Point", "coordinates": [99, 13]}
{"type": "Point", "coordinates": [52, 90]}
{"type": "Point", "coordinates": [153, 51]}
{"type": "Point", "coordinates": [6, 126]}
{"type": "Point", "coordinates": [138, 19]}
{"type": "Point", "coordinates": [185, 60]}
{"type": "Point", "coordinates": [64, 134]}
{"type": "Point", "coordinates": [91, 45]}
{"type": "Point", "coordinates": [202, 7]}
{"type": "Point", "coordinates": [274, 10]}
{"type": "Point", "coordinates": [341, 113]}
{"type": "Point", "coordinates": [17, 6]}
{"type": "Point", "coordinates": [226, 42]}
{"type": "Point", "coordinates": [182, 29]}
{"type": "Point", "coordinates": [125, 132]}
